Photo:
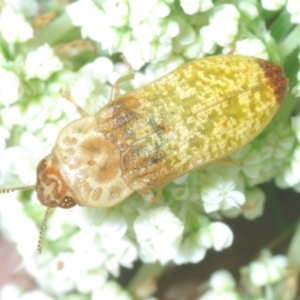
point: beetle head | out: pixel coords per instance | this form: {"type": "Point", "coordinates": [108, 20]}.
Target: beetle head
{"type": "Point", "coordinates": [51, 188]}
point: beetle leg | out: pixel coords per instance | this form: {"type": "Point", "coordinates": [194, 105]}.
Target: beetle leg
{"type": "Point", "coordinates": [149, 196]}
{"type": "Point", "coordinates": [232, 50]}
{"type": "Point", "coordinates": [229, 161]}
{"type": "Point", "coordinates": [69, 98]}
{"type": "Point", "coordinates": [159, 192]}
{"type": "Point", "coordinates": [115, 92]}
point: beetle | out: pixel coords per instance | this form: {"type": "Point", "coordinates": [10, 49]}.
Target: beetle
{"type": "Point", "coordinates": [202, 111]}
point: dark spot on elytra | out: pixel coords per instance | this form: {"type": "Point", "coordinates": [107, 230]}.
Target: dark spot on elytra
{"type": "Point", "coordinates": [123, 104]}
{"type": "Point", "coordinates": [276, 78]}
{"type": "Point", "coordinates": [151, 160]}
{"type": "Point", "coordinates": [157, 158]}
{"type": "Point", "coordinates": [164, 127]}
{"type": "Point", "coordinates": [91, 162]}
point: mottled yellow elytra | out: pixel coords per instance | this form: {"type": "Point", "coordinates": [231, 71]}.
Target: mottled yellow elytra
{"type": "Point", "coordinates": [202, 111]}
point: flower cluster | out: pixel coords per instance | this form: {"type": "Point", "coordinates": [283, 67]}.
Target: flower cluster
{"type": "Point", "coordinates": [265, 278]}
{"type": "Point", "coordinates": [85, 247]}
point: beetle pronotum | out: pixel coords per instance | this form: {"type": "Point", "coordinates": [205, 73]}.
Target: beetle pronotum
{"type": "Point", "coordinates": [198, 113]}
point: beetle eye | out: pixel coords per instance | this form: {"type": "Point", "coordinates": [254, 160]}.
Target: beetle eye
{"type": "Point", "coordinates": [67, 202]}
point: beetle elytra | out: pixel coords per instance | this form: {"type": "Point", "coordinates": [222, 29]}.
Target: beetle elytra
{"type": "Point", "coordinates": [200, 112]}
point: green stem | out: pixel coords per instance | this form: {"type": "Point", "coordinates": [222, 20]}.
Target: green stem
{"type": "Point", "coordinates": [281, 25]}
{"type": "Point", "coordinates": [143, 280]}
{"type": "Point", "coordinates": [286, 109]}
{"type": "Point", "coordinates": [54, 31]}
{"type": "Point", "coordinates": [290, 42]}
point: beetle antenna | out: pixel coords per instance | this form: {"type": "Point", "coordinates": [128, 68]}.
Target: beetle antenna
{"type": "Point", "coordinates": [42, 232]}
{"type": "Point", "coordinates": [8, 190]}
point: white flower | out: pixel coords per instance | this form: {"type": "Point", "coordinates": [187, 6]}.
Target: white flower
{"type": "Point", "coordinates": [293, 7]}
{"type": "Point", "coordinates": [146, 32]}
{"type": "Point", "coordinates": [82, 88]}
{"type": "Point", "coordinates": [101, 68]}
{"type": "Point", "coordinates": [11, 88]}
{"type": "Point", "coordinates": [80, 271]}
{"type": "Point", "coordinates": [22, 170]}
{"type": "Point", "coordinates": [296, 89]}
{"type": "Point", "coordinates": [187, 36]}
{"type": "Point", "coordinates": [137, 53]}
{"type": "Point", "coordinates": [290, 174]}
{"type": "Point", "coordinates": [191, 7]}
{"type": "Point", "coordinates": [223, 25]}
{"type": "Point", "coordinates": [252, 208]}
{"type": "Point", "coordinates": [279, 142]}
{"type": "Point", "coordinates": [222, 280]}
{"type": "Point", "coordinates": [181, 192]}
{"type": "Point", "coordinates": [158, 232]}
{"type": "Point", "coordinates": [114, 225]}
{"type": "Point", "coordinates": [222, 295]}
{"type": "Point", "coordinates": [26, 244]}
{"type": "Point", "coordinates": [83, 13]}
{"type": "Point", "coordinates": [190, 250]}
{"type": "Point", "coordinates": [90, 89]}
{"type": "Point", "coordinates": [295, 125]}
{"type": "Point", "coordinates": [28, 8]}
{"type": "Point", "coordinates": [13, 27]}
{"type": "Point", "coordinates": [121, 252]}
{"type": "Point", "coordinates": [42, 63]}
{"type": "Point", "coordinates": [216, 235]}
{"type": "Point", "coordinates": [171, 28]}
{"type": "Point", "coordinates": [111, 290]}
{"type": "Point", "coordinates": [273, 4]}
{"type": "Point", "coordinates": [108, 223]}
{"type": "Point", "coordinates": [10, 292]}
{"type": "Point", "coordinates": [36, 295]}
{"type": "Point", "coordinates": [116, 12]}
{"type": "Point", "coordinates": [268, 270]}
{"type": "Point", "coordinates": [104, 232]}
{"type": "Point", "coordinates": [250, 159]}
{"type": "Point", "coordinates": [141, 11]}
{"type": "Point", "coordinates": [222, 287]}
{"type": "Point", "coordinates": [254, 205]}
{"type": "Point", "coordinates": [96, 24]}
{"type": "Point", "coordinates": [264, 158]}
{"type": "Point", "coordinates": [220, 194]}
{"type": "Point", "coordinates": [199, 47]}
{"type": "Point", "coordinates": [251, 47]}
{"type": "Point", "coordinates": [4, 134]}
{"type": "Point", "coordinates": [248, 9]}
